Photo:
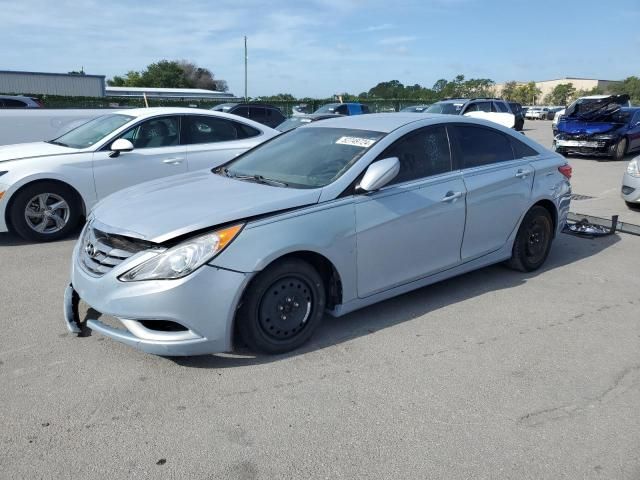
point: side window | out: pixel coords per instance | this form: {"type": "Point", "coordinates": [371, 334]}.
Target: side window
{"type": "Point", "coordinates": [479, 146]}
{"type": "Point", "coordinates": [422, 154]}
{"type": "Point", "coordinates": [203, 129]}
{"type": "Point", "coordinates": [501, 107]}
{"type": "Point", "coordinates": [636, 119]}
{"type": "Point", "coordinates": [522, 150]}
{"type": "Point", "coordinates": [342, 110]}
{"type": "Point", "coordinates": [154, 133]}
{"type": "Point", "coordinates": [257, 114]}
{"type": "Point", "coordinates": [365, 108]}
{"type": "Point", "coordinates": [12, 103]}
{"type": "Point", "coordinates": [242, 111]}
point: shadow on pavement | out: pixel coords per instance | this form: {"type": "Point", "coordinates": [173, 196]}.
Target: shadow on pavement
{"type": "Point", "coordinates": [566, 250]}
{"type": "Point", "coordinates": [13, 240]}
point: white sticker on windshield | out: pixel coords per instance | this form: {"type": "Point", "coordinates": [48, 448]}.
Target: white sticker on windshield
{"type": "Point", "coordinates": [355, 141]}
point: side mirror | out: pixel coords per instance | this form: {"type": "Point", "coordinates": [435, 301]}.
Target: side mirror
{"type": "Point", "coordinates": [119, 146]}
{"type": "Point", "coordinates": [379, 173]}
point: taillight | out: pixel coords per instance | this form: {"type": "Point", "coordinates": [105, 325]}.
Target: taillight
{"type": "Point", "coordinates": [566, 170]}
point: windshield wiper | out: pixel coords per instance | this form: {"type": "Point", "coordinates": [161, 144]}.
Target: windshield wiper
{"type": "Point", "coordinates": [255, 178]}
{"type": "Point", "coordinates": [53, 142]}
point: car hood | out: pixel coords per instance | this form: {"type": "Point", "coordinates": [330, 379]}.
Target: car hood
{"type": "Point", "coordinates": [21, 151]}
{"type": "Point", "coordinates": [596, 109]}
{"type": "Point", "coordinates": [160, 210]}
{"type": "Point", "coordinates": [573, 126]}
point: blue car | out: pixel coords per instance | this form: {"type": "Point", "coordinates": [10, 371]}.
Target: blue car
{"type": "Point", "coordinates": [599, 126]}
{"type": "Point", "coordinates": [344, 108]}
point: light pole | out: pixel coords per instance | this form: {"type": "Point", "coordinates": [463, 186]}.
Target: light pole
{"type": "Point", "coordinates": [246, 98]}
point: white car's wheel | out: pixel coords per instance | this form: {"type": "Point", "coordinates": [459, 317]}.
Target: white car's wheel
{"type": "Point", "coordinates": [44, 211]}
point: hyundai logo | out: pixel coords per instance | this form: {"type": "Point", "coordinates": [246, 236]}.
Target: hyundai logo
{"type": "Point", "coordinates": [91, 250]}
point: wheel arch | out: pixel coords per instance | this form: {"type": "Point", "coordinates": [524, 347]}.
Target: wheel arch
{"type": "Point", "coordinates": [322, 264]}
{"type": "Point", "coordinates": [79, 198]}
{"type": "Point", "coordinates": [551, 208]}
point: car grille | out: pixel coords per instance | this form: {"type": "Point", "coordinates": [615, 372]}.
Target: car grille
{"type": "Point", "coordinates": [100, 251]}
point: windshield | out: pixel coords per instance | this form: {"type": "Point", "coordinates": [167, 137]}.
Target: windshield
{"type": "Point", "coordinates": [293, 122]}
{"type": "Point", "coordinates": [305, 157]}
{"type": "Point", "coordinates": [446, 108]}
{"type": "Point", "coordinates": [328, 108]}
{"type": "Point", "coordinates": [93, 131]}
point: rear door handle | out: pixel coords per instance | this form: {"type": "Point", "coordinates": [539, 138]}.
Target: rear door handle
{"type": "Point", "coordinates": [173, 161]}
{"type": "Point", "coordinates": [451, 196]}
{"type": "Point", "coordinates": [523, 173]}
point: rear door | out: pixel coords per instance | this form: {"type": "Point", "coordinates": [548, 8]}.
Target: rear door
{"type": "Point", "coordinates": [498, 187]}
{"type": "Point", "coordinates": [211, 141]}
{"type": "Point", "coordinates": [412, 227]}
{"type": "Point", "coordinates": [157, 153]}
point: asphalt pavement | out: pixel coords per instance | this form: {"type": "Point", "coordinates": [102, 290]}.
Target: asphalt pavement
{"type": "Point", "coordinates": [494, 374]}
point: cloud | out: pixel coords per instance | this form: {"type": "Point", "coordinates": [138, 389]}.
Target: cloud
{"type": "Point", "coordinates": [397, 40]}
{"type": "Point", "coordinates": [377, 28]}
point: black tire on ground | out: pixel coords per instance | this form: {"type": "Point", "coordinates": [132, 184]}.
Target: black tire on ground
{"type": "Point", "coordinates": [51, 193]}
{"type": "Point", "coordinates": [533, 241]}
{"type": "Point", "coordinates": [282, 307]}
{"type": "Point", "coordinates": [619, 149]}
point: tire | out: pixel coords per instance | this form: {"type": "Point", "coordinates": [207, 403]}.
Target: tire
{"type": "Point", "coordinates": [533, 241]}
{"type": "Point", "coordinates": [620, 149]}
{"type": "Point", "coordinates": [282, 307]}
{"type": "Point", "coordinates": [34, 216]}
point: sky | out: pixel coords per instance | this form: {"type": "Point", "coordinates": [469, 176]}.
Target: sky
{"type": "Point", "coordinates": [318, 48]}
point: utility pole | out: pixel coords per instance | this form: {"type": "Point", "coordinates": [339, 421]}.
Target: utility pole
{"type": "Point", "coordinates": [246, 97]}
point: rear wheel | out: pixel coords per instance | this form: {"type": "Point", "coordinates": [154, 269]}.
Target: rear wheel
{"type": "Point", "coordinates": [533, 240]}
{"type": "Point", "coordinates": [282, 307]}
{"type": "Point", "coordinates": [45, 211]}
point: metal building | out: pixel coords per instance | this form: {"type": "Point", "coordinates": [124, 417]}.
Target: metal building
{"type": "Point", "coordinates": [168, 93]}
{"type": "Point", "coordinates": [40, 83]}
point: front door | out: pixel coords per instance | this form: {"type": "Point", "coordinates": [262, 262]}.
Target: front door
{"type": "Point", "coordinates": [414, 226]}
{"type": "Point", "coordinates": [157, 153]}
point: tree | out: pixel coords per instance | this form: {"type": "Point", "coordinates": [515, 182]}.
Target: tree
{"type": "Point", "coordinates": [509, 90]}
{"type": "Point", "coordinates": [170, 74]}
{"type": "Point", "coordinates": [561, 94]}
{"type": "Point", "coordinates": [527, 93]}
{"type": "Point", "coordinates": [630, 86]}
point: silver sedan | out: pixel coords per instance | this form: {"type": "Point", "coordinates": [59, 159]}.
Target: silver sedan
{"type": "Point", "coordinates": [330, 217]}
{"type": "Point", "coordinates": [631, 183]}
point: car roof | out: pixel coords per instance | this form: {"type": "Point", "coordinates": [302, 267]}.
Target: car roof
{"type": "Point", "coordinates": [387, 122]}
{"type": "Point", "coordinates": [154, 111]}
{"type": "Point", "coordinates": [453, 100]}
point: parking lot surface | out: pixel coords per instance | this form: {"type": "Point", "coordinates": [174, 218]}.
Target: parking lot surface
{"type": "Point", "coordinates": [494, 374]}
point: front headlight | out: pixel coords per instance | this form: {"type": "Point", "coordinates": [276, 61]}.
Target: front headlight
{"type": "Point", "coordinates": [184, 258]}
{"type": "Point", "coordinates": [633, 168]}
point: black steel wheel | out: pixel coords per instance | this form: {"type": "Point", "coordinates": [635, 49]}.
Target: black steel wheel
{"type": "Point", "coordinates": [282, 307]}
{"type": "Point", "coordinates": [533, 240]}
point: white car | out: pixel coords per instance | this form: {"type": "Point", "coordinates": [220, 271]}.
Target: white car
{"type": "Point", "coordinates": [46, 188]}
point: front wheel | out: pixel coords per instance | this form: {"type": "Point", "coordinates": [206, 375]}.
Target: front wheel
{"type": "Point", "coordinates": [282, 307]}
{"type": "Point", "coordinates": [533, 241]}
{"type": "Point", "coordinates": [45, 211]}
{"type": "Point", "coordinates": [620, 149]}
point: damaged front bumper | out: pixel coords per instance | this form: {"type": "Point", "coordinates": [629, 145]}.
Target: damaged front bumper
{"type": "Point", "coordinates": [564, 143]}
{"type": "Point", "coordinates": [189, 316]}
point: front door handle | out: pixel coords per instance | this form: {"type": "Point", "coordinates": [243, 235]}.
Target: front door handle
{"type": "Point", "coordinates": [523, 173]}
{"type": "Point", "coordinates": [451, 196]}
{"type": "Point", "coordinates": [173, 161]}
